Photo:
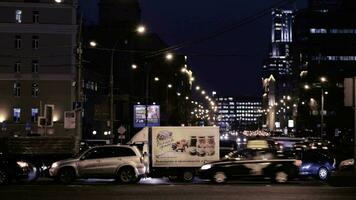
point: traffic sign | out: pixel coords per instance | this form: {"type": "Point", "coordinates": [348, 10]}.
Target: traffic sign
{"type": "Point", "coordinates": [121, 130]}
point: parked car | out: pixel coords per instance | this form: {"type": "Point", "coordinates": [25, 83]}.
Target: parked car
{"type": "Point", "coordinates": [316, 163]}
{"type": "Point", "coordinates": [11, 169]}
{"type": "Point", "coordinates": [251, 163]}
{"type": "Point", "coordinates": [345, 174]}
{"type": "Point", "coordinates": [122, 162]}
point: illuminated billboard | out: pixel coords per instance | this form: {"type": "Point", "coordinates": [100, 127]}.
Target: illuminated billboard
{"type": "Point", "coordinates": [153, 115]}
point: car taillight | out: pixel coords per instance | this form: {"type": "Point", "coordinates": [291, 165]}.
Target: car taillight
{"type": "Point", "coordinates": [298, 163]}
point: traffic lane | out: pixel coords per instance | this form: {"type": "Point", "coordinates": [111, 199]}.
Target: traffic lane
{"type": "Point", "coordinates": [165, 181]}
{"type": "Point", "coordinates": [175, 192]}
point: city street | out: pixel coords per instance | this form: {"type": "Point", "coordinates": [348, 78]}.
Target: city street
{"type": "Point", "coordinates": [161, 189]}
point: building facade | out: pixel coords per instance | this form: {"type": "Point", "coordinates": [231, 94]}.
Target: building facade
{"type": "Point", "coordinates": [37, 65]}
{"type": "Point", "coordinates": [325, 62]}
{"type": "Point", "coordinates": [238, 113]}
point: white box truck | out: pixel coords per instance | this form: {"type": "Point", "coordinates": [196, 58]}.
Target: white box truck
{"type": "Point", "coordinates": [177, 152]}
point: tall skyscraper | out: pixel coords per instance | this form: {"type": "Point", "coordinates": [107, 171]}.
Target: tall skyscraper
{"type": "Point", "coordinates": [277, 74]}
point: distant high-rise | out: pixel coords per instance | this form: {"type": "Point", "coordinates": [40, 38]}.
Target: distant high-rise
{"type": "Point", "coordinates": [238, 113]}
{"type": "Point", "coordinates": [277, 74]}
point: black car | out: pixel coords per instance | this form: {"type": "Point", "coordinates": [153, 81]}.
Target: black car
{"type": "Point", "coordinates": [251, 163]}
{"type": "Point", "coordinates": [316, 163]}
{"type": "Point", "coordinates": [11, 168]}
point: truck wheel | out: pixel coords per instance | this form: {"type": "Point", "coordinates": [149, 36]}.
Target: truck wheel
{"type": "Point", "coordinates": [187, 176]}
{"type": "Point", "coordinates": [219, 177]}
{"type": "Point", "coordinates": [4, 177]}
{"type": "Point", "coordinates": [126, 175]}
{"type": "Point", "coordinates": [281, 177]}
{"type": "Point", "coordinates": [172, 178]}
{"type": "Point", "coordinates": [66, 175]}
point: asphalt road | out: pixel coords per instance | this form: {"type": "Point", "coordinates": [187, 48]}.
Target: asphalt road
{"type": "Point", "coordinates": [162, 189]}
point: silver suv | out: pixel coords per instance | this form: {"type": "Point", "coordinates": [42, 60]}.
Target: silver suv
{"type": "Point", "coordinates": [122, 162]}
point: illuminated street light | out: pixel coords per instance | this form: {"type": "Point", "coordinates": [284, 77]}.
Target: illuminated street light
{"type": "Point", "coordinates": [203, 92]}
{"type": "Point", "coordinates": [141, 29]}
{"type": "Point", "coordinates": [156, 79]}
{"type": "Point", "coordinates": [186, 98]}
{"type": "Point", "coordinates": [169, 85]}
{"type": "Point", "coordinates": [93, 43]}
{"type": "Point", "coordinates": [326, 92]}
{"type": "Point", "coordinates": [323, 79]}
{"type": "Point", "coordinates": [58, 1]}
{"type": "Point", "coordinates": [197, 88]}
{"type": "Point", "coordinates": [307, 87]}
{"type": "Point", "coordinates": [183, 70]}
{"type": "Point", "coordinates": [178, 94]}
{"type": "Point", "coordinates": [169, 56]}
{"type": "Point", "coordinates": [133, 66]}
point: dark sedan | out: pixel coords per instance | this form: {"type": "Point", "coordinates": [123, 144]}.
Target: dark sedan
{"type": "Point", "coordinates": [11, 168]}
{"type": "Point", "coordinates": [316, 163]}
{"type": "Point", "coordinates": [251, 163]}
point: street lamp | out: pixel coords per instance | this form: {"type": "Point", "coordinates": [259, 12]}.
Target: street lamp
{"type": "Point", "coordinates": [156, 79]}
{"type": "Point", "coordinates": [141, 29]}
{"type": "Point", "coordinates": [169, 56]}
{"type": "Point", "coordinates": [133, 66]}
{"type": "Point", "coordinates": [197, 88]}
{"type": "Point", "coordinates": [93, 43]}
{"type": "Point", "coordinates": [322, 80]}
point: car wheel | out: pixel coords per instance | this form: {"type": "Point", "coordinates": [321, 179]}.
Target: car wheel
{"type": "Point", "coordinates": [187, 176]}
{"type": "Point", "coordinates": [173, 178]}
{"type": "Point", "coordinates": [323, 174]}
{"type": "Point", "coordinates": [219, 177]}
{"type": "Point", "coordinates": [66, 175]}
{"type": "Point", "coordinates": [281, 177]}
{"type": "Point", "coordinates": [127, 175]}
{"type": "Point", "coordinates": [4, 177]}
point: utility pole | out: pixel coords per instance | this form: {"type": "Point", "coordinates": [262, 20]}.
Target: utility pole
{"type": "Point", "coordinates": [354, 107]}
{"type": "Point", "coordinates": [322, 113]}
{"type": "Point", "coordinates": [79, 92]}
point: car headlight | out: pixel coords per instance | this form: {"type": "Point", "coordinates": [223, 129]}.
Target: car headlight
{"type": "Point", "coordinates": [22, 164]}
{"type": "Point", "coordinates": [347, 163]}
{"type": "Point", "coordinates": [205, 167]}
{"type": "Point", "coordinates": [54, 165]}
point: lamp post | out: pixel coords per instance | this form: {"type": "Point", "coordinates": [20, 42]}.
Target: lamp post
{"type": "Point", "coordinates": [322, 99]}
{"type": "Point", "coordinates": [141, 29]}
{"type": "Point", "coordinates": [322, 80]}
{"type": "Point", "coordinates": [169, 57]}
{"type": "Point", "coordinates": [112, 87]}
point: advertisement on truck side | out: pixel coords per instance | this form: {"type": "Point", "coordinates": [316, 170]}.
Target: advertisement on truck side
{"type": "Point", "coordinates": [184, 146]}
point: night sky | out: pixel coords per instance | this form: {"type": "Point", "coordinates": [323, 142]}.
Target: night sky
{"type": "Point", "coordinates": [183, 20]}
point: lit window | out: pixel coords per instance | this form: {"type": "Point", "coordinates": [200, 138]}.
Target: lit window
{"type": "Point", "coordinates": [17, 114]}
{"type": "Point", "coordinates": [35, 89]}
{"type": "Point", "coordinates": [18, 16]}
{"type": "Point", "coordinates": [34, 66]}
{"type": "Point", "coordinates": [34, 114]}
{"type": "Point", "coordinates": [35, 16]}
{"type": "Point", "coordinates": [17, 68]}
{"type": "Point", "coordinates": [17, 89]}
{"type": "Point", "coordinates": [35, 41]}
{"type": "Point", "coordinates": [18, 42]}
